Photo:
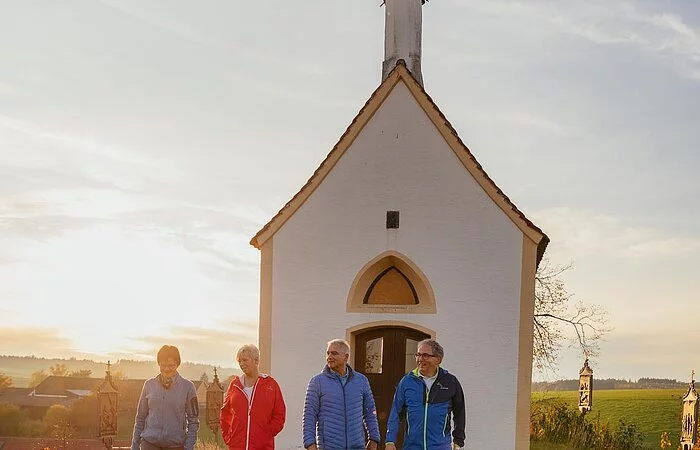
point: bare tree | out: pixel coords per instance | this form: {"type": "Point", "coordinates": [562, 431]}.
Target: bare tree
{"type": "Point", "coordinates": [5, 381]}
{"type": "Point", "coordinates": [119, 375]}
{"type": "Point", "coordinates": [37, 377]}
{"type": "Point", "coordinates": [60, 370]}
{"type": "Point", "coordinates": [556, 319]}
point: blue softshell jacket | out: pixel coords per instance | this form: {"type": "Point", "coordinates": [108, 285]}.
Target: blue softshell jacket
{"type": "Point", "coordinates": [427, 413]}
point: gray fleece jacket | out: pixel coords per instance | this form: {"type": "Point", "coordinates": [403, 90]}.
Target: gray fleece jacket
{"type": "Point", "coordinates": [167, 417]}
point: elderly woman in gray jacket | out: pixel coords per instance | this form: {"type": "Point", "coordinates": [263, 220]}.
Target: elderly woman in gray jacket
{"type": "Point", "coordinates": [167, 417]}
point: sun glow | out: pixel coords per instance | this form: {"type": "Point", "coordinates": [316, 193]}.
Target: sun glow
{"type": "Point", "coordinates": [108, 289]}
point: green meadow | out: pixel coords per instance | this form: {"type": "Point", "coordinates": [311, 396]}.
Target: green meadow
{"type": "Point", "coordinates": [653, 411]}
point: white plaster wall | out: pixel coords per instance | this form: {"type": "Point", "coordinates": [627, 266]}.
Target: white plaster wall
{"type": "Point", "coordinates": [468, 248]}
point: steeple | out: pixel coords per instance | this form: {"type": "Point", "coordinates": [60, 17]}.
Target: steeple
{"type": "Point", "coordinates": [402, 38]}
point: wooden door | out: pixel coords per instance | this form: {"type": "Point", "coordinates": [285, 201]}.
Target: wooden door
{"type": "Point", "coordinates": [385, 355]}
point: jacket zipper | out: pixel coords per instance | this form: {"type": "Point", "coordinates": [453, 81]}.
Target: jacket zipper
{"type": "Point", "coordinates": [162, 414]}
{"type": "Point", "coordinates": [425, 416]}
{"type": "Point", "coordinates": [345, 409]}
{"type": "Point", "coordinates": [250, 407]}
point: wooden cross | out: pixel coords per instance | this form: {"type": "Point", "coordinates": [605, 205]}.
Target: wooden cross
{"type": "Point", "coordinates": [108, 365]}
{"type": "Point", "coordinates": [692, 375]}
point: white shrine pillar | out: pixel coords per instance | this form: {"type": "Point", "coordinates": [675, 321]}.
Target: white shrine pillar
{"type": "Point", "coordinates": [585, 388]}
{"type": "Point", "coordinates": [689, 418]}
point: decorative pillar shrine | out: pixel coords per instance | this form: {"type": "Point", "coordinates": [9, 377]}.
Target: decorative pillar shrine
{"type": "Point", "coordinates": [585, 388]}
{"type": "Point", "coordinates": [689, 418]}
{"type": "Point", "coordinates": [108, 406]}
{"type": "Point", "coordinates": [215, 399]}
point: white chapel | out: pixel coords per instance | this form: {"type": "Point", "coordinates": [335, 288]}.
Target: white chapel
{"type": "Point", "coordinates": [399, 235]}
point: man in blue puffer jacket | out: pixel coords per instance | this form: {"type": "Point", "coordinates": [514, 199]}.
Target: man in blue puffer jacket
{"type": "Point", "coordinates": [427, 397]}
{"type": "Point", "coordinates": [339, 406]}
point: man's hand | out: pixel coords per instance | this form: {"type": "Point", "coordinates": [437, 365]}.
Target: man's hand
{"type": "Point", "coordinates": [371, 445]}
{"type": "Point", "coordinates": [390, 447]}
{"type": "Point", "coordinates": [312, 447]}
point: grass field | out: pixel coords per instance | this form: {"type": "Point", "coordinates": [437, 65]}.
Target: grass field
{"type": "Point", "coordinates": [651, 410]}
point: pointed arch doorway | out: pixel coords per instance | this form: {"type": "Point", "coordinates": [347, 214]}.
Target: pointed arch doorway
{"type": "Point", "coordinates": [385, 354]}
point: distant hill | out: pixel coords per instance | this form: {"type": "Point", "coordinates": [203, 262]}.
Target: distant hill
{"type": "Point", "coordinates": [610, 384]}
{"type": "Point", "coordinates": [20, 368]}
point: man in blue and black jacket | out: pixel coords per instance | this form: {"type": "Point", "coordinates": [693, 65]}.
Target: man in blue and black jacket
{"type": "Point", "coordinates": [427, 397]}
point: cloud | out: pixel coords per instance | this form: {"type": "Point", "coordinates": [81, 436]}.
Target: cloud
{"type": "Point", "coordinates": [204, 345]}
{"type": "Point", "coordinates": [33, 341]}
{"type": "Point", "coordinates": [652, 354]}
{"type": "Point", "coordinates": [7, 89]}
{"type": "Point", "coordinates": [168, 24]}
{"type": "Point", "coordinates": [66, 140]}
{"type": "Point", "coordinates": [525, 122]}
{"type": "Point", "coordinates": [83, 202]}
{"type": "Point", "coordinates": [662, 34]}
{"type": "Point", "coordinates": [580, 234]}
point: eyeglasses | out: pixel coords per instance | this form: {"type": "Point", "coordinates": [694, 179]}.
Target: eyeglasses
{"type": "Point", "coordinates": [423, 355]}
{"type": "Point", "coordinates": [167, 366]}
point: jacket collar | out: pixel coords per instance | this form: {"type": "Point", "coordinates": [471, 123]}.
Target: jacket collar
{"type": "Point", "coordinates": [415, 373]}
{"type": "Point", "coordinates": [329, 373]}
{"type": "Point", "coordinates": [237, 379]}
{"type": "Point", "coordinates": [175, 380]}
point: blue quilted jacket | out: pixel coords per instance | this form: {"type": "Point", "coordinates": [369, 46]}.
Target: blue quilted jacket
{"type": "Point", "coordinates": [336, 416]}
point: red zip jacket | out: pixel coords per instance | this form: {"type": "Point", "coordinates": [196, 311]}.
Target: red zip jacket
{"type": "Point", "coordinates": [254, 425]}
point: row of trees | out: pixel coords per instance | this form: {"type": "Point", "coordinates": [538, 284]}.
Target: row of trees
{"type": "Point", "coordinates": [610, 384]}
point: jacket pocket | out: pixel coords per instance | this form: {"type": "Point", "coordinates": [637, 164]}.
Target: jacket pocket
{"type": "Point", "coordinates": [260, 436]}
{"type": "Point", "coordinates": [236, 434]}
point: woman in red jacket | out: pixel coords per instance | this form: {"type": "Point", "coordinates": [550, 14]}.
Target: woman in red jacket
{"type": "Point", "coordinates": [253, 411]}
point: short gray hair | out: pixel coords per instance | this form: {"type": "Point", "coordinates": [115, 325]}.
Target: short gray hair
{"type": "Point", "coordinates": [342, 343]}
{"type": "Point", "coordinates": [435, 348]}
{"type": "Point", "coordinates": [250, 350]}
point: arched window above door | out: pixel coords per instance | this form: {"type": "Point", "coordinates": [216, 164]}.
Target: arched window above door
{"type": "Point", "coordinates": [391, 283]}
{"type": "Point", "coordinates": [391, 287]}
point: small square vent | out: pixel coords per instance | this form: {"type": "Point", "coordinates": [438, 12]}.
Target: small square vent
{"type": "Point", "coordinates": [392, 219]}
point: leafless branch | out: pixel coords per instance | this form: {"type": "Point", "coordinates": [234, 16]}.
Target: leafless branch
{"type": "Point", "coordinates": [587, 323]}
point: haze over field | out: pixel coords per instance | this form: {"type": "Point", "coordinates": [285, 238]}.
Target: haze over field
{"type": "Point", "coordinates": [142, 144]}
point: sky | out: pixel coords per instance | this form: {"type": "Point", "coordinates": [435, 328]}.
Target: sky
{"type": "Point", "coordinates": [144, 142]}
